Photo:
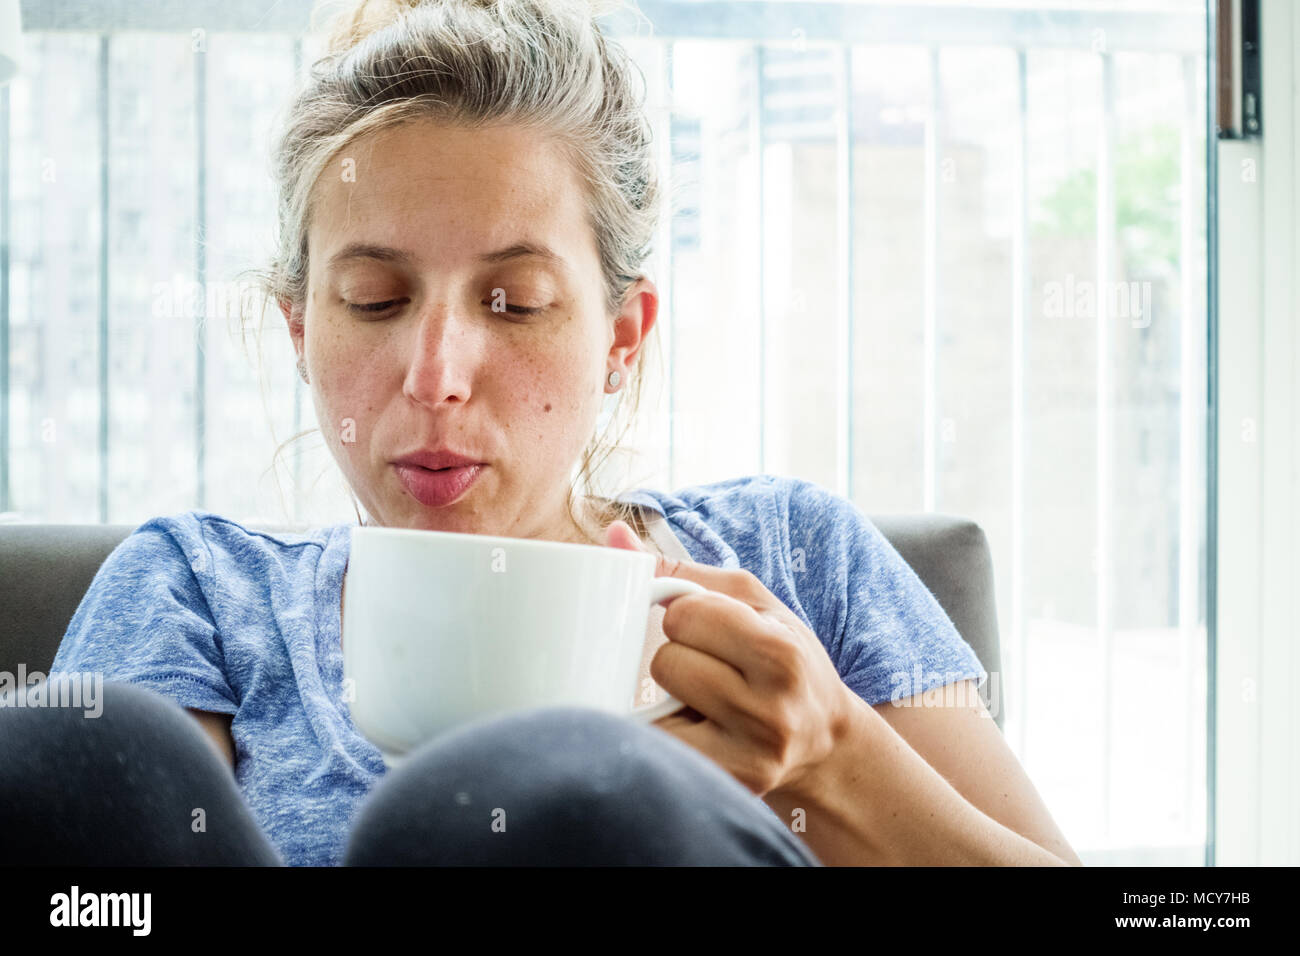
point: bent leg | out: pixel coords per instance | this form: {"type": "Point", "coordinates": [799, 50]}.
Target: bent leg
{"type": "Point", "coordinates": [565, 786]}
{"type": "Point", "coordinates": [120, 789]}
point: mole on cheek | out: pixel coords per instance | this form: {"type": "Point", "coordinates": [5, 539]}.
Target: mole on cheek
{"type": "Point", "coordinates": [548, 406]}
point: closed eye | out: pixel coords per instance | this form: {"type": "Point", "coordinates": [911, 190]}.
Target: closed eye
{"type": "Point", "coordinates": [374, 306]}
{"type": "Point", "coordinates": [499, 305]}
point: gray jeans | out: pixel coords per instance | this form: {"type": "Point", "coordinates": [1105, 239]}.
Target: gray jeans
{"type": "Point", "coordinates": [567, 787]}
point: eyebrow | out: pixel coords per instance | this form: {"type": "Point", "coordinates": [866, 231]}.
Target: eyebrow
{"type": "Point", "coordinates": [368, 250]}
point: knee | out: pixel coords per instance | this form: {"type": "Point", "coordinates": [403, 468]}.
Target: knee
{"type": "Point", "coordinates": [564, 785]}
{"type": "Point", "coordinates": [127, 778]}
{"type": "Point", "coordinates": [73, 724]}
{"type": "Point", "coordinates": [544, 783]}
{"type": "Point", "coordinates": [566, 755]}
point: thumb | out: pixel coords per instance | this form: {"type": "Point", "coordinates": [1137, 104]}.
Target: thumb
{"type": "Point", "coordinates": [722, 580]}
{"type": "Point", "coordinates": [620, 535]}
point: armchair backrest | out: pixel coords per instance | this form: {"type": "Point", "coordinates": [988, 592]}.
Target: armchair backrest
{"type": "Point", "coordinates": [45, 570]}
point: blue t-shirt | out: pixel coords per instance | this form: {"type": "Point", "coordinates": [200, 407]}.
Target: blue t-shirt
{"type": "Point", "coordinates": [219, 618]}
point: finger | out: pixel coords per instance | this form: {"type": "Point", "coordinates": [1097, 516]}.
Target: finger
{"type": "Point", "coordinates": [686, 714]}
{"type": "Point", "coordinates": [701, 681]}
{"type": "Point", "coordinates": [753, 643]}
{"type": "Point", "coordinates": [737, 583]}
{"type": "Point", "coordinates": [721, 746]}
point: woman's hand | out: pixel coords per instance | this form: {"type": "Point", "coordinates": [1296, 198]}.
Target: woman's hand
{"type": "Point", "coordinates": [769, 706]}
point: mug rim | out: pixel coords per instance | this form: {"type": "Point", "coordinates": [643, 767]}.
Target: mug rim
{"type": "Point", "coordinates": [497, 540]}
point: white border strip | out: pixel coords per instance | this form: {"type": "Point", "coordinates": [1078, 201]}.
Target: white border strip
{"type": "Point", "coordinates": [1258, 723]}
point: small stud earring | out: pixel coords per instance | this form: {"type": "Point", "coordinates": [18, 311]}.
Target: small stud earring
{"type": "Point", "coordinates": [613, 379]}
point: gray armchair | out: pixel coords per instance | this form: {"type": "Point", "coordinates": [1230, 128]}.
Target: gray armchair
{"type": "Point", "coordinates": [46, 569]}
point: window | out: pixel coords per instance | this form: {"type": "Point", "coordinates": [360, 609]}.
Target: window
{"type": "Point", "coordinates": [944, 263]}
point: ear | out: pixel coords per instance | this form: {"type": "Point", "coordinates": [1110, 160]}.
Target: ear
{"type": "Point", "coordinates": [293, 317]}
{"type": "Point", "coordinates": [633, 324]}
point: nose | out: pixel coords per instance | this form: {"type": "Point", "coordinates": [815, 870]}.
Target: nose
{"type": "Point", "coordinates": [442, 358]}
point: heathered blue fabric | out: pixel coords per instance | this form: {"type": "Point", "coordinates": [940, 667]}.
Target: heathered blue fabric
{"type": "Point", "coordinates": [220, 618]}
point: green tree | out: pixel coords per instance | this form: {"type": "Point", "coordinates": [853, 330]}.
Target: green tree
{"type": "Point", "coordinates": [1147, 214]}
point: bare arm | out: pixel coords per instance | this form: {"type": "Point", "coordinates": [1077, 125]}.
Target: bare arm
{"type": "Point", "coordinates": [217, 727]}
{"type": "Point", "coordinates": [924, 785]}
{"type": "Point", "coordinates": [962, 742]}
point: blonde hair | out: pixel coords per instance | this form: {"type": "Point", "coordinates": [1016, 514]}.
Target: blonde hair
{"type": "Point", "coordinates": [542, 64]}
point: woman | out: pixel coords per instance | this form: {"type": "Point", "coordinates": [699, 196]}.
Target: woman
{"type": "Point", "coordinates": [466, 198]}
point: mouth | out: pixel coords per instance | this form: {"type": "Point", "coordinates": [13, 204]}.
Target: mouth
{"type": "Point", "coordinates": [438, 487]}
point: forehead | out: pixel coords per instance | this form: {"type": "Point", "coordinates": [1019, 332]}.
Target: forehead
{"type": "Point", "coordinates": [448, 194]}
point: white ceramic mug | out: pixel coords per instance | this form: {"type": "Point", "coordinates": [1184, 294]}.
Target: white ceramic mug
{"type": "Point", "coordinates": [440, 628]}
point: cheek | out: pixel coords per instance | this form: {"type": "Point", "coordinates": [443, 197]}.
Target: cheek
{"type": "Point", "coordinates": [340, 419]}
{"type": "Point", "coordinates": [558, 403]}
{"type": "Point", "coordinates": [551, 404]}
{"type": "Point", "coordinates": [345, 394]}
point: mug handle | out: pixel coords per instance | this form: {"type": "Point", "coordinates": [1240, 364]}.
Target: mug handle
{"type": "Point", "coordinates": [660, 590]}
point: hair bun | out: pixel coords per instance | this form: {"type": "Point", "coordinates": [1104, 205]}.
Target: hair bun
{"type": "Point", "coordinates": [347, 26]}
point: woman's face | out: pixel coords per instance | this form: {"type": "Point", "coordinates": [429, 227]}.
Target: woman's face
{"type": "Point", "coordinates": [414, 332]}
